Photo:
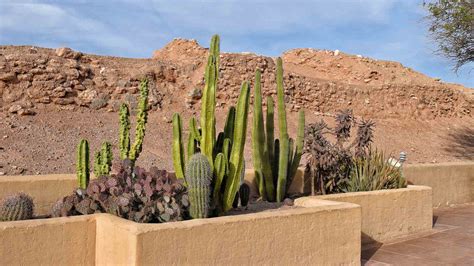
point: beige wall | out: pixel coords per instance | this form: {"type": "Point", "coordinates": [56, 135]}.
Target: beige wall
{"type": "Point", "coordinates": [391, 214]}
{"type": "Point", "coordinates": [59, 241]}
{"type": "Point", "coordinates": [45, 189]}
{"type": "Point", "coordinates": [452, 183]}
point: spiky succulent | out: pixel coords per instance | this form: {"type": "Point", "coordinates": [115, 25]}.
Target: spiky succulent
{"type": "Point", "coordinates": [134, 194]}
{"type": "Point", "coordinates": [17, 207]}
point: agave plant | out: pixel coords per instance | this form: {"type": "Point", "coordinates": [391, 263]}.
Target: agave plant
{"type": "Point", "coordinates": [374, 172]}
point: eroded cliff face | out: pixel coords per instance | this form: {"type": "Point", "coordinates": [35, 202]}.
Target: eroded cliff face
{"type": "Point", "coordinates": [316, 80]}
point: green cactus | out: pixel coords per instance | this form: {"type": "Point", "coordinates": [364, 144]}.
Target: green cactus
{"type": "Point", "coordinates": [224, 153]}
{"type": "Point", "coordinates": [103, 160]}
{"type": "Point", "coordinates": [142, 114]}
{"type": "Point", "coordinates": [178, 149]}
{"type": "Point", "coordinates": [198, 178]}
{"type": "Point", "coordinates": [124, 131]}
{"type": "Point", "coordinates": [275, 161]}
{"type": "Point", "coordinates": [244, 193]}
{"type": "Point", "coordinates": [82, 165]}
{"type": "Point", "coordinates": [17, 207]}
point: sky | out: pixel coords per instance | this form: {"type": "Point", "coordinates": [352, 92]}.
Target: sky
{"type": "Point", "coordinates": [382, 29]}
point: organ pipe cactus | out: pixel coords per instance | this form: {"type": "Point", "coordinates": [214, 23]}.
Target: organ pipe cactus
{"type": "Point", "coordinates": [128, 151]}
{"type": "Point", "coordinates": [224, 151]}
{"type": "Point", "coordinates": [103, 160]}
{"type": "Point", "coordinates": [198, 178]}
{"type": "Point", "coordinates": [17, 207]}
{"type": "Point", "coordinates": [275, 160]}
{"type": "Point", "coordinates": [82, 165]}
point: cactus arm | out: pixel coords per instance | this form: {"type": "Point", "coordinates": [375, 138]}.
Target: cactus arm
{"type": "Point", "coordinates": [178, 150]}
{"type": "Point", "coordinates": [269, 127]}
{"type": "Point", "coordinates": [124, 132]}
{"type": "Point", "coordinates": [229, 123]}
{"type": "Point", "coordinates": [194, 130]}
{"type": "Point", "coordinates": [220, 166]}
{"type": "Point", "coordinates": [299, 148]}
{"type": "Point", "coordinates": [238, 144]}
{"type": "Point", "coordinates": [226, 148]}
{"type": "Point", "coordinates": [208, 118]}
{"type": "Point", "coordinates": [284, 139]}
{"type": "Point", "coordinates": [82, 164]}
{"type": "Point", "coordinates": [141, 122]}
{"type": "Point", "coordinates": [258, 136]}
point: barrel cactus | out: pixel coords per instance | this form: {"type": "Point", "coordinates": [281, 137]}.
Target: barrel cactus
{"type": "Point", "coordinates": [17, 207]}
{"type": "Point", "coordinates": [198, 177]}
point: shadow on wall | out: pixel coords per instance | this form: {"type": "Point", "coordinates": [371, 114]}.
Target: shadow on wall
{"type": "Point", "coordinates": [460, 143]}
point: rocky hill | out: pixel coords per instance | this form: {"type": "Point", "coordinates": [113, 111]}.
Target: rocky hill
{"type": "Point", "coordinates": [318, 80]}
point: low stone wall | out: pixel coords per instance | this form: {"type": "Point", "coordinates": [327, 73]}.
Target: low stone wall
{"type": "Point", "coordinates": [58, 241]}
{"type": "Point", "coordinates": [391, 214]}
{"type": "Point", "coordinates": [314, 232]}
{"type": "Point", "coordinates": [452, 183]}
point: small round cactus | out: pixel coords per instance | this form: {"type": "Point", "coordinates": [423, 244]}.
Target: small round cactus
{"type": "Point", "coordinates": [17, 207]}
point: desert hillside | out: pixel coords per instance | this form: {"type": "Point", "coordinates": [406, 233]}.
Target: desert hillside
{"type": "Point", "coordinates": [50, 98]}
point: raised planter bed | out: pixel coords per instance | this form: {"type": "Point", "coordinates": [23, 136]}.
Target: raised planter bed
{"type": "Point", "coordinates": [315, 232]}
{"type": "Point", "coordinates": [391, 214]}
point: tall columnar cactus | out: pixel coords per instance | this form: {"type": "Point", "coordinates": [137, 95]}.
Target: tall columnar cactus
{"type": "Point", "coordinates": [82, 164]}
{"type": "Point", "coordinates": [103, 160]}
{"type": "Point", "coordinates": [17, 207]}
{"type": "Point", "coordinates": [275, 160]}
{"type": "Point", "coordinates": [128, 151]}
{"type": "Point", "coordinates": [198, 178]}
{"type": "Point", "coordinates": [178, 148]}
{"type": "Point", "coordinates": [124, 131]}
{"type": "Point", "coordinates": [142, 114]}
{"type": "Point", "coordinates": [224, 152]}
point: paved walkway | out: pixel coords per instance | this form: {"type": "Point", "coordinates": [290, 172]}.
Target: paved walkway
{"type": "Point", "coordinates": [451, 244]}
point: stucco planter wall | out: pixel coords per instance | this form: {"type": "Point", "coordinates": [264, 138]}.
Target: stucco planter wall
{"type": "Point", "coordinates": [391, 214]}
{"type": "Point", "coordinates": [317, 232]}
{"type": "Point", "coordinates": [452, 183]}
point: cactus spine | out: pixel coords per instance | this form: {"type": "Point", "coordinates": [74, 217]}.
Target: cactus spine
{"type": "Point", "coordinates": [198, 178]}
{"type": "Point", "coordinates": [276, 160]}
{"type": "Point", "coordinates": [17, 207]}
{"type": "Point", "coordinates": [82, 165]}
{"type": "Point", "coordinates": [103, 160]}
{"type": "Point", "coordinates": [224, 153]}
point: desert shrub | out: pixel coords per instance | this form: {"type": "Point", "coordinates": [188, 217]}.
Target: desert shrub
{"type": "Point", "coordinates": [135, 194]}
{"type": "Point", "coordinates": [374, 172]}
{"type": "Point", "coordinates": [330, 164]}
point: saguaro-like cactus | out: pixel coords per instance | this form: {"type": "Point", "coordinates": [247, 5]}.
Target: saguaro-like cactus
{"type": "Point", "coordinates": [198, 178]}
{"type": "Point", "coordinates": [82, 164]}
{"type": "Point", "coordinates": [17, 207]}
{"type": "Point", "coordinates": [124, 131]}
{"type": "Point", "coordinates": [103, 160]}
{"type": "Point", "coordinates": [275, 160]}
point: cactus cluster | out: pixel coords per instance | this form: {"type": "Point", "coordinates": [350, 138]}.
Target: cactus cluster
{"type": "Point", "coordinates": [128, 151]}
{"type": "Point", "coordinates": [275, 160]}
{"type": "Point", "coordinates": [17, 207]}
{"type": "Point", "coordinates": [224, 151]}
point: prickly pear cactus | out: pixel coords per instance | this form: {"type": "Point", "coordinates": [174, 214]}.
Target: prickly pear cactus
{"type": "Point", "coordinates": [198, 177]}
{"type": "Point", "coordinates": [17, 207]}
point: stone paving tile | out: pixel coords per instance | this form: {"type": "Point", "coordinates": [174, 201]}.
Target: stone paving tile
{"type": "Point", "coordinates": [452, 243]}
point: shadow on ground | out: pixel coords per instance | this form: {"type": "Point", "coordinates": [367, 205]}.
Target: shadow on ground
{"type": "Point", "coordinates": [460, 143]}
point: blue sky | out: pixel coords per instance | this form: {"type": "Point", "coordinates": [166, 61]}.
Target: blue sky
{"type": "Point", "coordinates": [382, 29]}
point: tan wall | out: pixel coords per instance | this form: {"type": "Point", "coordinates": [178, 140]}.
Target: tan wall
{"type": "Point", "coordinates": [320, 233]}
{"type": "Point", "coordinates": [391, 214]}
{"type": "Point", "coordinates": [45, 189]}
{"type": "Point", "coordinates": [452, 183]}
{"type": "Point", "coordinates": [58, 241]}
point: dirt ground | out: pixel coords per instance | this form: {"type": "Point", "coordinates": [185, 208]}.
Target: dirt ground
{"type": "Point", "coordinates": [46, 143]}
